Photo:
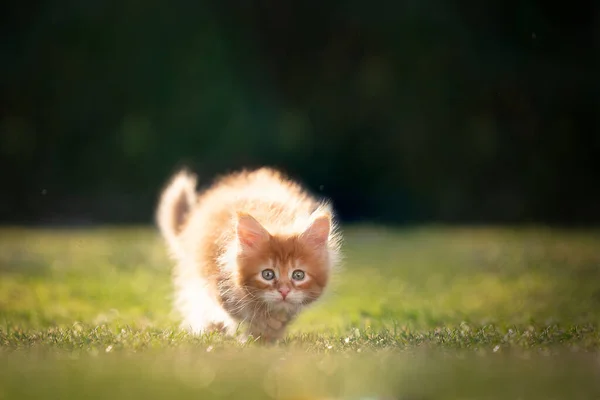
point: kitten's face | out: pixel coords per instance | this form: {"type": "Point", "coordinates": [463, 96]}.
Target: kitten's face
{"type": "Point", "coordinates": [287, 272]}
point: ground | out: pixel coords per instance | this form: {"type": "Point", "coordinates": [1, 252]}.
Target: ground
{"type": "Point", "coordinates": [415, 313]}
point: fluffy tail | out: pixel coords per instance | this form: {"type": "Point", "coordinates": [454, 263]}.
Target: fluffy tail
{"type": "Point", "coordinates": [176, 202]}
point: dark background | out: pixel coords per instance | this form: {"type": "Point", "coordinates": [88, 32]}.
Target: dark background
{"type": "Point", "coordinates": [401, 112]}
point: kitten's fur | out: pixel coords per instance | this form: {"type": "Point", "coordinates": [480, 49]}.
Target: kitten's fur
{"type": "Point", "coordinates": [225, 237]}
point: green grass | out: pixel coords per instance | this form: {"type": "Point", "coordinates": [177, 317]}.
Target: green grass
{"type": "Point", "coordinates": [422, 313]}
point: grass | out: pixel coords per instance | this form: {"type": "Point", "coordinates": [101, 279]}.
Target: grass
{"type": "Point", "coordinates": [420, 313]}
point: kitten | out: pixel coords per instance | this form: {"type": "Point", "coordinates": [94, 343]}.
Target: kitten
{"type": "Point", "coordinates": [254, 249]}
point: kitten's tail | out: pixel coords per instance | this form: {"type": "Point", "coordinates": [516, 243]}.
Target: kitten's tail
{"type": "Point", "coordinates": [176, 202]}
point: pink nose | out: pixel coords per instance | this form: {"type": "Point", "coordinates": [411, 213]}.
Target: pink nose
{"type": "Point", "coordinates": [284, 292]}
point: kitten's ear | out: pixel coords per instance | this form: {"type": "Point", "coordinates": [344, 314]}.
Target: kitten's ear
{"type": "Point", "coordinates": [317, 233]}
{"type": "Point", "coordinates": [250, 232]}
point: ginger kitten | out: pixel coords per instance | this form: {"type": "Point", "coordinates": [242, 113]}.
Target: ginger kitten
{"type": "Point", "coordinates": [253, 249]}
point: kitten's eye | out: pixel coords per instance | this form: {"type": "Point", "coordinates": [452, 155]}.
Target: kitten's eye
{"type": "Point", "coordinates": [268, 274]}
{"type": "Point", "coordinates": [298, 275]}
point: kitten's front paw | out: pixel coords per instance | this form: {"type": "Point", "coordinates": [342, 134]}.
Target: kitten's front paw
{"type": "Point", "coordinates": [275, 324]}
{"type": "Point", "coordinates": [269, 330]}
{"type": "Point", "coordinates": [216, 327]}
{"type": "Point", "coordinates": [282, 316]}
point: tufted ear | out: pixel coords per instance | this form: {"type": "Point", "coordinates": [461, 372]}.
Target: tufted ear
{"type": "Point", "coordinates": [317, 233]}
{"type": "Point", "coordinates": [250, 232]}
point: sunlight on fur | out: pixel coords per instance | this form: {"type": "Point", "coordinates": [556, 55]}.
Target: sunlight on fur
{"type": "Point", "coordinates": [251, 252]}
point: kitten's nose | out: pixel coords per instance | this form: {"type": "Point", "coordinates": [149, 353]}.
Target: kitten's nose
{"type": "Point", "coordinates": [284, 291]}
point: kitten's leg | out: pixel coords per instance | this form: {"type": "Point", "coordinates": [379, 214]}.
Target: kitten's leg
{"type": "Point", "coordinates": [201, 313]}
{"type": "Point", "coordinates": [216, 327]}
{"type": "Point", "coordinates": [271, 326]}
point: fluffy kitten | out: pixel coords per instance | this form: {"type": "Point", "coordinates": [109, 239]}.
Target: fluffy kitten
{"type": "Point", "coordinates": [254, 248]}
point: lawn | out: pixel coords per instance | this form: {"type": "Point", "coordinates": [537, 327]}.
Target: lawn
{"type": "Point", "coordinates": [415, 313]}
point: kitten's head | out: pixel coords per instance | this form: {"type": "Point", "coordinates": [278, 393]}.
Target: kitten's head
{"type": "Point", "coordinates": [284, 271]}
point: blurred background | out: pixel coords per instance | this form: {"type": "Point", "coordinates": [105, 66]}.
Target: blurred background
{"type": "Point", "coordinates": [401, 112]}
